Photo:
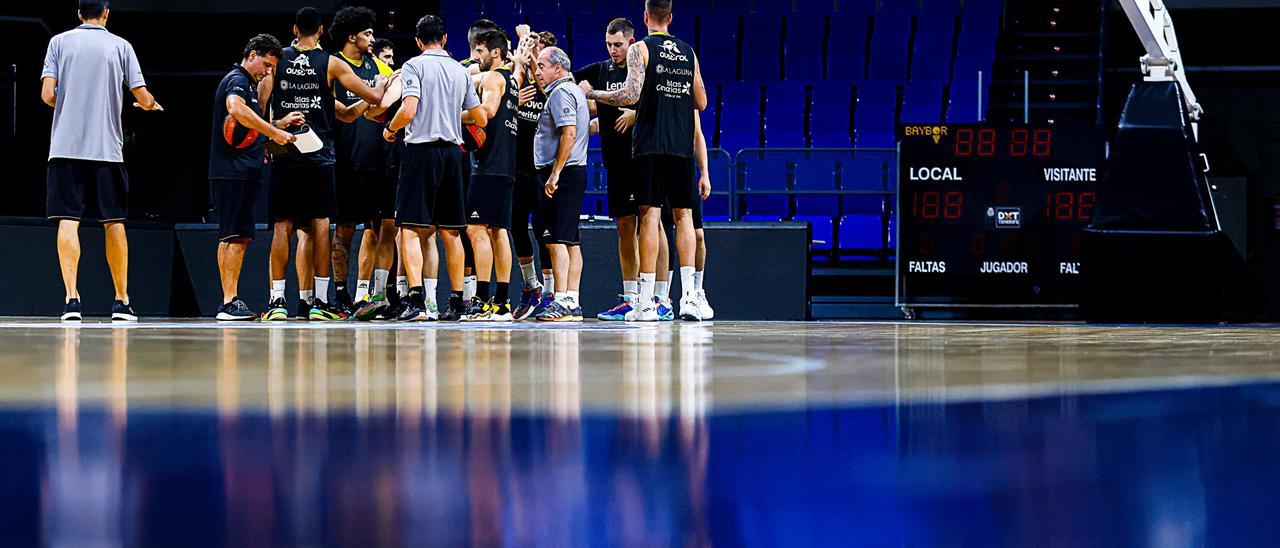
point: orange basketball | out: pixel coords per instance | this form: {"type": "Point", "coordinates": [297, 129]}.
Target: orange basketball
{"type": "Point", "coordinates": [237, 135]}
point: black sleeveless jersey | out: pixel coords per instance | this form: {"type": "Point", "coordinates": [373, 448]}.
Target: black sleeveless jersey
{"type": "Point", "coordinates": [498, 157]}
{"type": "Point", "coordinates": [359, 141]}
{"type": "Point", "coordinates": [527, 127]}
{"type": "Point", "coordinates": [302, 85]}
{"type": "Point", "coordinates": [664, 116]}
{"type": "Point", "coordinates": [606, 76]}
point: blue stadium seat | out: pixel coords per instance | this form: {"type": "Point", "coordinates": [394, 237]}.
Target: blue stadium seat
{"type": "Point", "coordinates": [869, 171]}
{"type": "Point", "coordinates": [718, 49]}
{"type": "Point", "coordinates": [854, 7]}
{"type": "Point", "coordinates": [721, 167]}
{"type": "Point", "coordinates": [932, 58]}
{"type": "Point", "coordinates": [740, 117]}
{"type": "Point", "coordinates": [587, 40]}
{"type": "Point", "coordinates": [710, 129]}
{"type": "Point", "coordinates": [815, 7]}
{"type": "Point", "coordinates": [847, 48]}
{"type": "Point", "coordinates": [690, 7]}
{"type": "Point", "coordinates": [716, 208]}
{"type": "Point", "coordinates": [922, 102]}
{"type": "Point", "coordinates": [963, 105]}
{"type": "Point", "coordinates": [582, 6]}
{"type": "Point", "coordinates": [764, 174]}
{"type": "Point", "coordinates": [784, 115]}
{"type": "Point", "coordinates": [950, 7]}
{"type": "Point", "coordinates": [493, 7]}
{"type": "Point", "coordinates": [878, 94]}
{"type": "Point", "coordinates": [822, 230]}
{"type": "Point", "coordinates": [553, 22]}
{"type": "Point", "coordinates": [861, 232]}
{"type": "Point", "coordinates": [889, 47]}
{"type": "Point", "coordinates": [762, 56]}
{"type": "Point", "coordinates": [829, 117]}
{"type": "Point", "coordinates": [816, 174]}
{"type": "Point", "coordinates": [803, 49]}
{"type": "Point", "coordinates": [771, 7]}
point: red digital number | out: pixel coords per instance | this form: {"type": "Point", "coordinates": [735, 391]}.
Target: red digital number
{"type": "Point", "coordinates": [928, 244]}
{"type": "Point", "coordinates": [953, 205]}
{"type": "Point", "coordinates": [986, 143]}
{"type": "Point", "coordinates": [978, 244]}
{"type": "Point", "coordinates": [1086, 201]}
{"type": "Point", "coordinates": [964, 143]}
{"type": "Point", "coordinates": [1042, 143]}
{"type": "Point", "coordinates": [1064, 206]}
{"type": "Point", "coordinates": [1018, 143]}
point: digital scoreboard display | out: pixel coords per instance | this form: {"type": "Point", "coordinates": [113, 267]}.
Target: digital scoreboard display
{"type": "Point", "coordinates": [993, 215]}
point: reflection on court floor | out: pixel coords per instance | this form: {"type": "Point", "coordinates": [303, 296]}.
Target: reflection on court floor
{"type": "Point", "coordinates": [189, 433]}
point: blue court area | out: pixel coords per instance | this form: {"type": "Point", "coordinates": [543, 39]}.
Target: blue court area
{"type": "Point", "coordinates": [187, 434]}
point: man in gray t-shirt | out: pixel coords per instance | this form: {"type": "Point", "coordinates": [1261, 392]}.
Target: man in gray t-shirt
{"type": "Point", "coordinates": [560, 154]}
{"type": "Point", "coordinates": [86, 73]}
{"type": "Point", "coordinates": [429, 196]}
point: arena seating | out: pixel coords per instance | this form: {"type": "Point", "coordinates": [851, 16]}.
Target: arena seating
{"type": "Point", "coordinates": [792, 74]}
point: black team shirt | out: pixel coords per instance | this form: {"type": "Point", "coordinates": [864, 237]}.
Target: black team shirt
{"type": "Point", "coordinates": [527, 126]}
{"type": "Point", "coordinates": [360, 141]}
{"type": "Point", "coordinates": [616, 147]}
{"type": "Point", "coordinates": [302, 85]}
{"type": "Point", "coordinates": [498, 157]}
{"type": "Point", "coordinates": [228, 163]}
{"type": "Point", "coordinates": [664, 116]}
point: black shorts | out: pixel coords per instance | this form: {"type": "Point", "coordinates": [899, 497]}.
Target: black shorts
{"type": "Point", "coordinates": [623, 190]}
{"type": "Point", "coordinates": [234, 201]}
{"type": "Point", "coordinates": [301, 193]}
{"type": "Point", "coordinates": [666, 180]}
{"type": "Point", "coordinates": [489, 201]}
{"type": "Point", "coordinates": [70, 182]}
{"type": "Point", "coordinates": [560, 212]}
{"type": "Point", "coordinates": [429, 192]}
{"type": "Point", "coordinates": [364, 196]}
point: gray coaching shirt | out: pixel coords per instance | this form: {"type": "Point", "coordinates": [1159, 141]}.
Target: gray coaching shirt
{"type": "Point", "coordinates": [566, 106]}
{"type": "Point", "coordinates": [94, 70]}
{"type": "Point", "coordinates": [443, 88]}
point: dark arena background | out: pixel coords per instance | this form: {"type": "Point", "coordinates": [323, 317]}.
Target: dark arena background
{"type": "Point", "coordinates": [984, 272]}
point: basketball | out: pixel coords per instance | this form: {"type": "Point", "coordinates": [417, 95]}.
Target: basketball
{"type": "Point", "coordinates": [237, 135]}
{"type": "Point", "coordinates": [473, 137]}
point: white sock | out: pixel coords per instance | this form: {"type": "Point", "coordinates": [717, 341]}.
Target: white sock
{"type": "Point", "coordinates": [429, 286]}
{"type": "Point", "coordinates": [567, 298]}
{"type": "Point", "coordinates": [362, 290]}
{"type": "Point", "coordinates": [687, 284]}
{"type": "Point", "coordinates": [646, 287]}
{"type": "Point", "coordinates": [308, 296]}
{"type": "Point", "coordinates": [551, 283]}
{"type": "Point", "coordinates": [277, 290]}
{"type": "Point", "coordinates": [402, 285]}
{"type": "Point", "coordinates": [530, 273]}
{"type": "Point", "coordinates": [666, 293]}
{"type": "Point", "coordinates": [380, 280]}
{"type": "Point", "coordinates": [468, 288]}
{"type": "Point", "coordinates": [322, 289]}
{"type": "Point", "coordinates": [662, 288]}
{"type": "Point", "coordinates": [697, 281]}
{"type": "Point", "coordinates": [630, 288]}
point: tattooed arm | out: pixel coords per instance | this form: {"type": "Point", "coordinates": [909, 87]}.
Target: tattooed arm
{"type": "Point", "coordinates": [637, 62]}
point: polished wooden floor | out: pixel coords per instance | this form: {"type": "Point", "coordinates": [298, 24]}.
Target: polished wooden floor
{"type": "Point", "coordinates": [191, 433]}
{"type": "Point", "coordinates": [669, 368]}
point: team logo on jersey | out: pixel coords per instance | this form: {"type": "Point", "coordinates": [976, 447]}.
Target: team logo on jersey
{"type": "Point", "coordinates": [301, 61]}
{"type": "Point", "coordinates": [671, 52]}
{"type": "Point", "coordinates": [300, 66]}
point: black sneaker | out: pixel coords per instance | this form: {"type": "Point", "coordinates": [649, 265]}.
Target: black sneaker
{"type": "Point", "coordinates": [71, 311]}
{"type": "Point", "coordinates": [452, 313]}
{"type": "Point", "coordinates": [475, 310]}
{"type": "Point", "coordinates": [121, 312]}
{"type": "Point", "coordinates": [236, 311]}
{"type": "Point", "coordinates": [343, 304]}
{"type": "Point", "coordinates": [304, 310]}
{"type": "Point", "coordinates": [413, 312]}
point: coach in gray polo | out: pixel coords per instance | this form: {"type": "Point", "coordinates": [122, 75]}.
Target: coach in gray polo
{"type": "Point", "coordinates": [86, 73]}
{"type": "Point", "coordinates": [560, 154]}
{"type": "Point", "coordinates": [429, 194]}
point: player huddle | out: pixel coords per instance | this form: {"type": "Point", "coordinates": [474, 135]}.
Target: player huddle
{"type": "Point", "coordinates": [460, 156]}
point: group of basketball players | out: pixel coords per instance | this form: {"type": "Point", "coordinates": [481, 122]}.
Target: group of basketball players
{"type": "Point", "coordinates": [439, 153]}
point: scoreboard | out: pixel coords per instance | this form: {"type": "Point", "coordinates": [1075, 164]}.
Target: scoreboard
{"type": "Point", "coordinates": [992, 215]}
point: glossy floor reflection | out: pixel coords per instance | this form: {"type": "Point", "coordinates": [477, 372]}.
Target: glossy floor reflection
{"type": "Point", "coordinates": [731, 434]}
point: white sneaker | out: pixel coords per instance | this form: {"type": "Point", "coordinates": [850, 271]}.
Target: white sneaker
{"type": "Point", "coordinates": [646, 313]}
{"type": "Point", "coordinates": [689, 309]}
{"type": "Point", "coordinates": [433, 312]}
{"type": "Point", "coordinates": [704, 307]}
